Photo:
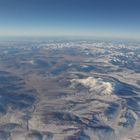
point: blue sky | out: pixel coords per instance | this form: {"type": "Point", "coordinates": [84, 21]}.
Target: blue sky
{"type": "Point", "coordinates": [101, 18]}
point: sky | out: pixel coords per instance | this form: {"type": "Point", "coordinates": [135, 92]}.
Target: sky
{"type": "Point", "coordinates": [100, 18]}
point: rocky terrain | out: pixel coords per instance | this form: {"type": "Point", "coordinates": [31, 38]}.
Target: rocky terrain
{"type": "Point", "coordinates": [69, 90]}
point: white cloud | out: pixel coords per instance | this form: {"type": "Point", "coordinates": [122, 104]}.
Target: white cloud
{"type": "Point", "coordinates": [95, 85]}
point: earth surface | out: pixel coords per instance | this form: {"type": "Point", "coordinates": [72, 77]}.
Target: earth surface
{"type": "Point", "coordinates": [69, 90]}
